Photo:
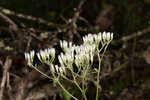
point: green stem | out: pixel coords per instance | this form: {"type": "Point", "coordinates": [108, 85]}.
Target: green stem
{"type": "Point", "coordinates": [40, 72]}
{"type": "Point", "coordinates": [83, 82]}
{"type": "Point", "coordinates": [81, 89]}
{"type": "Point", "coordinates": [83, 92]}
{"type": "Point", "coordinates": [65, 90]}
{"type": "Point", "coordinates": [99, 68]}
{"type": "Point", "coordinates": [98, 76]}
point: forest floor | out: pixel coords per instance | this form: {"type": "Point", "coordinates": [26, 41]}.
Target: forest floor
{"type": "Point", "coordinates": [125, 67]}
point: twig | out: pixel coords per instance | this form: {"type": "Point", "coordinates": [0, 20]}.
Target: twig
{"type": "Point", "coordinates": [69, 26]}
{"type": "Point", "coordinates": [5, 77]}
{"type": "Point", "coordinates": [74, 19]}
{"type": "Point", "coordinates": [114, 71]}
{"type": "Point", "coordinates": [13, 26]}
{"type": "Point", "coordinates": [28, 17]}
{"type": "Point", "coordinates": [133, 35]}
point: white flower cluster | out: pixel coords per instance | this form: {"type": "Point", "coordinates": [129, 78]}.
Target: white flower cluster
{"type": "Point", "coordinates": [46, 56]}
{"type": "Point", "coordinates": [81, 55]}
{"type": "Point", "coordinates": [96, 39]}
{"type": "Point", "coordinates": [66, 59]}
{"type": "Point", "coordinates": [84, 55]}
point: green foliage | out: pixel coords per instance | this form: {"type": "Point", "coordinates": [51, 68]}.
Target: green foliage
{"type": "Point", "coordinates": [66, 96]}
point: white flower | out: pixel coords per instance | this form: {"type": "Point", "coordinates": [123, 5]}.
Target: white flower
{"type": "Point", "coordinates": [85, 48]}
{"type": "Point", "coordinates": [66, 46]}
{"type": "Point", "coordinates": [52, 68]}
{"type": "Point", "coordinates": [66, 59]}
{"type": "Point", "coordinates": [104, 36]}
{"type": "Point", "coordinates": [47, 55]}
{"type": "Point", "coordinates": [97, 38]}
{"type": "Point", "coordinates": [30, 57]}
{"type": "Point", "coordinates": [51, 51]}
{"type": "Point", "coordinates": [107, 37]}
{"type": "Point", "coordinates": [57, 69]}
{"type": "Point", "coordinates": [88, 39]}
{"type": "Point", "coordinates": [62, 70]}
{"type": "Point", "coordinates": [91, 57]}
{"type": "Point", "coordinates": [61, 60]}
{"type": "Point", "coordinates": [82, 55]}
{"type": "Point", "coordinates": [63, 44]}
{"type": "Point", "coordinates": [91, 48]}
{"type": "Point", "coordinates": [82, 59]}
{"type": "Point", "coordinates": [41, 55]}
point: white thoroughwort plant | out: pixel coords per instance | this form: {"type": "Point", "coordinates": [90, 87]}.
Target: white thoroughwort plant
{"type": "Point", "coordinates": [74, 57]}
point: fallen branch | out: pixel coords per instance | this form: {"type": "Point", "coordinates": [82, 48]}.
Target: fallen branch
{"type": "Point", "coordinates": [133, 35]}
{"type": "Point", "coordinates": [28, 17]}
{"type": "Point", "coordinates": [5, 77]}
{"type": "Point", "coordinates": [73, 28]}
{"type": "Point", "coordinates": [12, 24]}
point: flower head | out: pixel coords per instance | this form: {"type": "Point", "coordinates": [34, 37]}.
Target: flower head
{"type": "Point", "coordinates": [88, 39]}
{"type": "Point", "coordinates": [46, 56]}
{"type": "Point", "coordinates": [104, 37]}
{"type": "Point", "coordinates": [66, 59]}
{"type": "Point", "coordinates": [97, 38]}
{"type": "Point", "coordinates": [107, 37]}
{"type": "Point", "coordinates": [85, 48]}
{"type": "Point", "coordinates": [66, 46]}
{"type": "Point", "coordinates": [30, 57]}
{"type": "Point", "coordinates": [82, 60]}
{"type": "Point", "coordinates": [57, 69]}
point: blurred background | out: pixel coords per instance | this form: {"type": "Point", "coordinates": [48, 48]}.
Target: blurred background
{"type": "Point", "coordinates": [27, 25]}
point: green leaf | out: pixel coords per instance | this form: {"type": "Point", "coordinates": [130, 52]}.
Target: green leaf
{"type": "Point", "coordinates": [66, 96]}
